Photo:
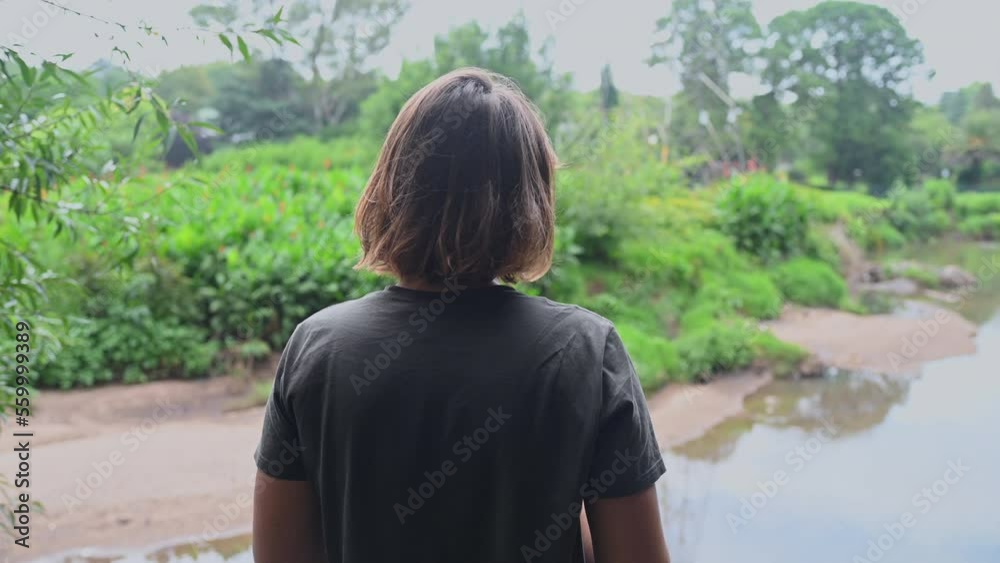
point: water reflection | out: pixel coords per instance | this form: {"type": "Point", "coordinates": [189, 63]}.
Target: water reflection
{"type": "Point", "coordinates": [235, 549]}
{"type": "Point", "coordinates": [827, 470]}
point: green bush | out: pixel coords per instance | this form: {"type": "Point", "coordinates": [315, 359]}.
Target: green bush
{"type": "Point", "coordinates": [972, 204]}
{"type": "Point", "coordinates": [877, 236]}
{"type": "Point", "coordinates": [302, 153]}
{"type": "Point", "coordinates": [749, 293]}
{"type": "Point", "coordinates": [915, 214]}
{"type": "Point", "coordinates": [983, 227]}
{"type": "Point", "coordinates": [128, 326]}
{"type": "Point", "coordinates": [810, 282]}
{"type": "Point", "coordinates": [715, 347]}
{"type": "Point", "coordinates": [820, 246]}
{"type": "Point", "coordinates": [656, 358]}
{"type": "Point", "coordinates": [764, 218]}
{"type": "Point", "coordinates": [681, 259]}
{"type": "Point", "coordinates": [942, 193]}
{"type": "Point", "coordinates": [783, 358]}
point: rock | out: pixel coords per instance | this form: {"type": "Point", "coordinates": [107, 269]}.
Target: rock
{"type": "Point", "coordinates": [953, 277]}
{"type": "Point", "coordinates": [950, 298]}
{"type": "Point", "coordinates": [872, 273]}
{"type": "Point", "coordinates": [811, 367]}
{"type": "Point", "coordinates": [897, 286]}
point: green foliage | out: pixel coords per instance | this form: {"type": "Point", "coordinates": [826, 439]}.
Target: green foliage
{"type": "Point", "coordinates": [656, 359]}
{"type": "Point", "coordinates": [508, 52]}
{"type": "Point", "coordinates": [877, 236]}
{"type": "Point", "coordinates": [713, 347]}
{"type": "Point", "coordinates": [917, 213]}
{"type": "Point", "coordinates": [971, 204]}
{"type": "Point", "coordinates": [982, 227]}
{"type": "Point", "coordinates": [784, 358]}
{"type": "Point", "coordinates": [752, 294]}
{"type": "Point", "coordinates": [764, 218]}
{"type": "Point", "coordinates": [680, 260]}
{"type": "Point", "coordinates": [922, 276]}
{"type": "Point", "coordinates": [845, 63]}
{"type": "Point", "coordinates": [301, 153]}
{"type": "Point", "coordinates": [706, 42]}
{"type": "Point", "coordinates": [809, 282]}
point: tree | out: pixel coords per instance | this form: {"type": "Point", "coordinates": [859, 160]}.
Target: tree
{"type": "Point", "coordinates": [976, 96]}
{"type": "Point", "coordinates": [706, 41]}
{"type": "Point", "coordinates": [609, 94]}
{"type": "Point", "coordinates": [846, 64]}
{"type": "Point", "coordinates": [507, 52]}
{"type": "Point", "coordinates": [932, 140]}
{"type": "Point", "coordinates": [338, 39]}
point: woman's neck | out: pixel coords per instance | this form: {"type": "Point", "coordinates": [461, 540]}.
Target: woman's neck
{"type": "Point", "coordinates": [420, 284]}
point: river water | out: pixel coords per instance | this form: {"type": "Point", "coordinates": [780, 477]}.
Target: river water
{"type": "Point", "coordinates": [853, 468]}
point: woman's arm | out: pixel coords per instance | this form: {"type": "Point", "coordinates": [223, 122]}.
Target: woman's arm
{"type": "Point", "coordinates": [286, 522]}
{"type": "Point", "coordinates": [628, 529]}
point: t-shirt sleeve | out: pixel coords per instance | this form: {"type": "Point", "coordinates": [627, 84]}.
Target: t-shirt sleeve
{"type": "Point", "coordinates": [627, 458]}
{"type": "Point", "coordinates": [279, 453]}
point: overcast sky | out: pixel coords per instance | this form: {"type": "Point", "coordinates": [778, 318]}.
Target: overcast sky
{"type": "Point", "coordinates": [959, 36]}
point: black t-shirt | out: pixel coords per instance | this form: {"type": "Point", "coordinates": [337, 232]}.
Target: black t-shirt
{"type": "Point", "coordinates": [466, 425]}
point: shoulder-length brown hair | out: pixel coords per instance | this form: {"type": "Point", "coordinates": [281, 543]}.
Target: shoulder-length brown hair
{"type": "Point", "coordinates": [464, 186]}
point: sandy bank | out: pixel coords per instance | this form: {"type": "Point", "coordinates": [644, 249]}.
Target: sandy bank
{"type": "Point", "coordinates": [893, 344]}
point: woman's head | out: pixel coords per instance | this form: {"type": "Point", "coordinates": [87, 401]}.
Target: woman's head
{"type": "Point", "coordinates": [463, 188]}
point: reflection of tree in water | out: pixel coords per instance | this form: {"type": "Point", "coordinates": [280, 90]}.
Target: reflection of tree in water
{"type": "Point", "coordinates": [226, 548]}
{"type": "Point", "coordinates": [852, 403]}
{"type": "Point", "coordinates": [719, 442]}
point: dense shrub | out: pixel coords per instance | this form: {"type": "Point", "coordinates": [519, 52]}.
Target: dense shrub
{"type": "Point", "coordinates": [764, 218]}
{"type": "Point", "coordinates": [656, 359]}
{"type": "Point", "coordinates": [681, 258]}
{"type": "Point", "coordinates": [749, 293]}
{"type": "Point", "coordinates": [810, 282]}
{"type": "Point", "coordinates": [877, 236]}
{"type": "Point", "coordinates": [971, 204]}
{"type": "Point", "coordinates": [914, 214]}
{"type": "Point", "coordinates": [820, 246]}
{"type": "Point", "coordinates": [128, 325]}
{"type": "Point", "coordinates": [828, 206]}
{"type": "Point", "coordinates": [301, 153]}
{"type": "Point", "coordinates": [942, 193]}
{"type": "Point", "coordinates": [715, 347]}
{"type": "Point", "coordinates": [782, 358]}
{"type": "Point", "coordinates": [984, 227]}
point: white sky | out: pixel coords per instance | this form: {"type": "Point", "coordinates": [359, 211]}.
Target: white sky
{"type": "Point", "coordinates": [959, 36]}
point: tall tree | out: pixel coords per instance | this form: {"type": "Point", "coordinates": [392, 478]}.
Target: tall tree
{"type": "Point", "coordinates": [338, 39]}
{"type": "Point", "coordinates": [508, 52]}
{"type": "Point", "coordinates": [609, 93]}
{"type": "Point", "coordinates": [848, 63]}
{"type": "Point", "coordinates": [705, 41]}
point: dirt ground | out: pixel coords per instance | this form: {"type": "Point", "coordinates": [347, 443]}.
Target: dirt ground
{"type": "Point", "coordinates": [894, 344]}
{"type": "Point", "coordinates": [126, 467]}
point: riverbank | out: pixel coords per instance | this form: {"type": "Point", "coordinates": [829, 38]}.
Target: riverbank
{"type": "Point", "coordinates": [127, 467]}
